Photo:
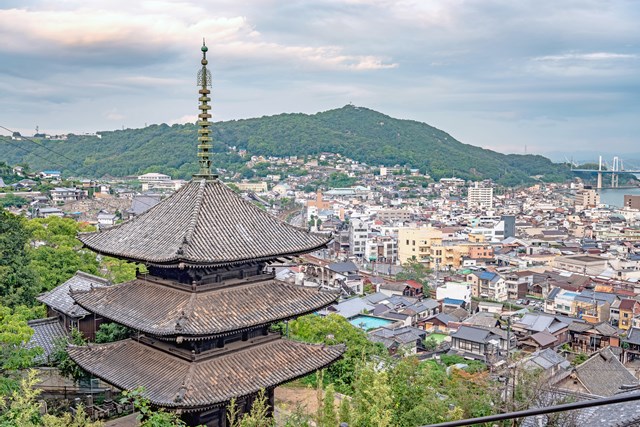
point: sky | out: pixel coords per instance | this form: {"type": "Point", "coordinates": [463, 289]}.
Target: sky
{"type": "Point", "coordinates": [513, 76]}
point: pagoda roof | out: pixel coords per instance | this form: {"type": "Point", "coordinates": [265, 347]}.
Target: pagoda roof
{"type": "Point", "coordinates": [171, 381]}
{"type": "Point", "coordinates": [162, 310]}
{"type": "Point", "coordinates": [59, 298]}
{"type": "Point", "coordinates": [204, 224]}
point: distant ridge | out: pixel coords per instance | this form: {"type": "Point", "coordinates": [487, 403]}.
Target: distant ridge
{"type": "Point", "coordinates": [356, 132]}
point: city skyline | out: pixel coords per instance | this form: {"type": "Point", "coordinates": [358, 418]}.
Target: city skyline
{"type": "Point", "coordinates": [534, 76]}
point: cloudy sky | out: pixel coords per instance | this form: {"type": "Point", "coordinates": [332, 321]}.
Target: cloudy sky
{"type": "Point", "coordinates": [501, 74]}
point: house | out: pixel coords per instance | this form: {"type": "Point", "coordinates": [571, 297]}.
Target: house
{"type": "Point", "coordinates": [47, 212]}
{"type": "Point", "coordinates": [628, 309]}
{"type": "Point", "coordinates": [552, 365]}
{"type": "Point", "coordinates": [538, 341]}
{"type": "Point", "coordinates": [402, 341]}
{"type": "Point", "coordinates": [51, 174]}
{"type": "Point", "coordinates": [105, 219]}
{"type": "Point", "coordinates": [487, 345]}
{"type": "Point", "coordinates": [142, 203]}
{"type": "Point", "coordinates": [345, 275]}
{"type": "Point", "coordinates": [602, 375]}
{"type": "Point", "coordinates": [532, 323]}
{"type": "Point", "coordinates": [587, 337]}
{"type": "Point", "coordinates": [61, 305]}
{"type": "Point", "coordinates": [349, 308]}
{"type": "Point", "coordinates": [631, 345]}
{"type": "Point", "coordinates": [409, 288]}
{"type": "Point", "coordinates": [438, 323]}
{"type": "Point", "coordinates": [46, 332]}
{"type": "Point", "coordinates": [63, 195]}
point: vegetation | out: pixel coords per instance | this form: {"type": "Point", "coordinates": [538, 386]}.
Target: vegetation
{"type": "Point", "coordinates": [347, 131]}
{"type": "Point", "coordinates": [332, 330]}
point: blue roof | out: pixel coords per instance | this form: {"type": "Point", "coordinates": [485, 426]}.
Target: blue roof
{"type": "Point", "coordinates": [453, 301]}
{"type": "Point", "coordinates": [487, 275]}
{"type": "Point", "coordinates": [51, 172]}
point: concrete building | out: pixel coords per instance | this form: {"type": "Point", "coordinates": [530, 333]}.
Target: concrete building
{"type": "Point", "coordinates": [358, 234]}
{"type": "Point", "coordinates": [587, 198]}
{"type": "Point", "coordinates": [480, 197]}
{"type": "Point", "coordinates": [584, 264]}
{"type": "Point", "coordinates": [631, 201]}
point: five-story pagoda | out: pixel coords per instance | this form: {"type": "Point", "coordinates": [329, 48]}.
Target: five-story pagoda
{"type": "Point", "coordinates": [202, 313]}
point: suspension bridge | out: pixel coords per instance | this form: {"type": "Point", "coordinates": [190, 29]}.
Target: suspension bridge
{"type": "Point", "coordinates": [617, 168]}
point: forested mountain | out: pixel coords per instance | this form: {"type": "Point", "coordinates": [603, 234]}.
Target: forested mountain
{"type": "Point", "coordinates": [360, 133]}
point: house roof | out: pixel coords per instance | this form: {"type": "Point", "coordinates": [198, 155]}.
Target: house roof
{"type": "Point", "coordinates": [204, 224]}
{"type": "Point", "coordinates": [176, 382]}
{"type": "Point", "coordinates": [45, 333]}
{"type": "Point", "coordinates": [154, 308]}
{"type": "Point", "coordinates": [543, 338]}
{"type": "Point", "coordinates": [633, 336]}
{"type": "Point", "coordinates": [342, 267]}
{"type": "Point", "coordinates": [482, 319]}
{"type": "Point", "coordinates": [59, 298]}
{"type": "Point", "coordinates": [470, 333]}
{"type": "Point", "coordinates": [627, 304]}
{"type": "Point", "coordinates": [604, 375]}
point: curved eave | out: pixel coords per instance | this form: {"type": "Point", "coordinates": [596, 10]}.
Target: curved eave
{"type": "Point", "coordinates": [172, 334]}
{"type": "Point", "coordinates": [185, 262]}
{"type": "Point", "coordinates": [174, 406]}
{"type": "Point", "coordinates": [117, 382]}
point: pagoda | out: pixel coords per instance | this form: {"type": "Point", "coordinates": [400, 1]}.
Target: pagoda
{"type": "Point", "coordinates": [202, 313]}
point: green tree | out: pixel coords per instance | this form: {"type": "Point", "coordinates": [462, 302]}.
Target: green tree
{"type": "Point", "coordinates": [148, 417]}
{"type": "Point", "coordinates": [335, 329]}
{"type": "Point", "coordinates": [327, 413]}
{"type": "Point", "coordinates": [372, 404]}
{"type": "Point", "coordinates": [60, 357]}
{"type": "Point", "coordinates": [414, 270]}
{"type": "Point", "coordinates": [344, 413]}
{"type": "Point", "coordinates": [18, 283]}
{"type": "Point", "coordinates": [14, 355]}
{"type": "Point", "coordinates": [21, 408]}
{"type": "Point", "coordinates": [110, 332]}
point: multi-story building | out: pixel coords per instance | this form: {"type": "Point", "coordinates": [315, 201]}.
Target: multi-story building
{"type": "Point", "coordinates": [631, 201]}
{"type": "Point", "coordinates": [587, 198]}
{"type": "Point", "coordinates": [63, 195]}
{"type": "Point", "coordinates": [480, 197]}
{"type": "Point", "coordinates": [358, 235]}
{"type": "Point", "coordinates": [382, 249]}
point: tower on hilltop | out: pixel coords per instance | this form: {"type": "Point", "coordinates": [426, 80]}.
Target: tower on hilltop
{"type": "Point", "coordinates": [202, 313]}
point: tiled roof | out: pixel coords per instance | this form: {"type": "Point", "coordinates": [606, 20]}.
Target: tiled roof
{"type": "Point", "coordinates": [162, 310]}
{"type": "Point", "coordinates": [59, 298]}
{"type": "Point", "coordinates": [45, 333]}
{"type": "Point", "coordinates": [171, 381]}
{"type": "Point", "coordinates": [203, 224]}
{"type": "Point", "coordinates": [603, 374]}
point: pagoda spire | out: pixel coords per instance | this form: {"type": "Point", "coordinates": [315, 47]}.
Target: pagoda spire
{"type": "Point", "coordinates": [204, 140]}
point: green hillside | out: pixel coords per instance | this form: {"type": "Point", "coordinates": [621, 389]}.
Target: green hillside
{"type": "Point", "coordinates": [360, 133]}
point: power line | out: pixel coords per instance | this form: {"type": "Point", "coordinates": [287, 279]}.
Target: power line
{"type": "Point", "coordinates": [54, 152]}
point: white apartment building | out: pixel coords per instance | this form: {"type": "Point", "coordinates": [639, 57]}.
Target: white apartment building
{"type": "Point", "coordinates": [480, 197]}
{"type": "Point", "coordinates": [358, 234]}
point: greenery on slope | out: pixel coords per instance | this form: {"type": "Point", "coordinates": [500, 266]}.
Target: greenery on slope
{"type": "Point", "coordinates": [362, 134]}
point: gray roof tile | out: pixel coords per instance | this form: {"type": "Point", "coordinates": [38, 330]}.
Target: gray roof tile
{"type": "Point", "coordinates": [203, 224]}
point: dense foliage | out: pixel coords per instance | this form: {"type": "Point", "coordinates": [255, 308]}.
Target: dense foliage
{"type": "Point", "coordinates": [331, 330]}
{"type": "Point", "coordinates": [359, 133]}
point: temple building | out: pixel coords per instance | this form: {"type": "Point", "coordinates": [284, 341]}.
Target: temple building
{"type": "Point", "coordinates": [202, 313]}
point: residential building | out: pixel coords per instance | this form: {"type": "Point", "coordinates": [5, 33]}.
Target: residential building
{"type": "Point", "coordinates": [587, 198]}
{"type": "Point", "coordinates": [628, 309]}
{"type": "Point", "coordinates": [480, 198]}
{"type": "Point", "coordinates": [358, 235]}
{"type": "Point", "coordinates": [63, 195]}
{"type": "Point", "coordinates": [487, 345]}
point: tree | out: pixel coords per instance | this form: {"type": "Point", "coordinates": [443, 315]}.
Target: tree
{"type": "Point", "coordinates": [148, 417]}
{"type": "Point", "coordinates": [60, 357]}
{"type": "Point", "coordinates": [110, 332]}
{"type": "Point", "coordinates": [372, 404]}
{"type": "Point", "coordinates": [20, 408]}
{"type": "Point", "coordinates": [18, 283]}
{"type": "Point", "coordinates": [414, 270]}
{"type": "Point", "coordinates": [335, 329]}
{"type": "Point", "coordinates": [344, 413]}
{"type": "Point", "coordinates": [14, 355]}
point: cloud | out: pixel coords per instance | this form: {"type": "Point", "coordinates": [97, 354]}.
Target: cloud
{"type": "Point", "coordinates": [495, 72]}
